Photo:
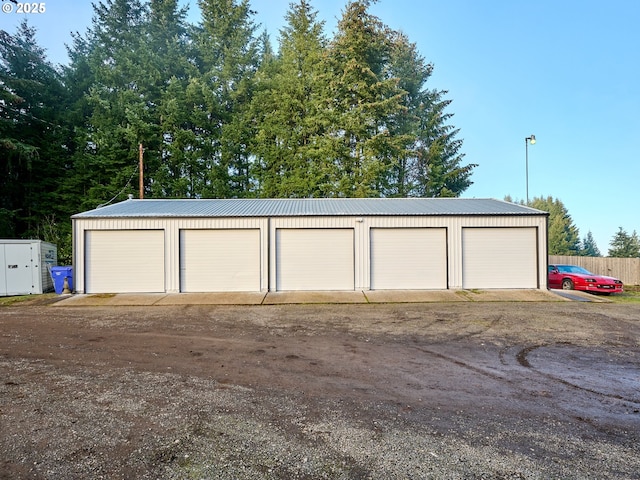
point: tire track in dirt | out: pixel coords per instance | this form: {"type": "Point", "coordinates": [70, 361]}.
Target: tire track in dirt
{"type": "Point", "coordinates": [522, 359]}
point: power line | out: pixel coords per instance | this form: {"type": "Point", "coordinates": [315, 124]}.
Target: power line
{"type": "Point", "coordinates": [120, 192]}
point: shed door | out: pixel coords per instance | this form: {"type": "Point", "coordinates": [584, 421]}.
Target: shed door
{"type": "Point", "coordinates": [124, 261]}
{"type": "Point", "coordinates": [19, 265]}
{"type": "Point", "coordinates": [314, 259]}
{"type": "Point", "coordinates": [499, 258]}
{"type": "Point", "coordinates": [220, 260]}
{"type": "Point", "coordinates": [408, 258]}
{"type": "Point", "coordinates": [3, 272]}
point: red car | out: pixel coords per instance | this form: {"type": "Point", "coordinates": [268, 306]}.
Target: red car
{"type": "Point", "coordinates": [572, 277]}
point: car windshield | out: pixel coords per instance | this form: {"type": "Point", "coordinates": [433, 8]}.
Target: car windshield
{"type": "Point", "coordinates": [573, 269]}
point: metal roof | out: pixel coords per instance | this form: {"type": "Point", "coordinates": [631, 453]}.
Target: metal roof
{"type": "Point", "coordinates": [20, 240]}
{"type": "Point", "coordinates": [294, 207]}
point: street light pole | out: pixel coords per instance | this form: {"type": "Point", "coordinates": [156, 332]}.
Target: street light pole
{"type": "Point", "coordinates": [528, 140]}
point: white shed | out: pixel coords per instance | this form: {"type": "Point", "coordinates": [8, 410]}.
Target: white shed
{"type": "Point", "coordinates": [26, 266]}
{"type": "Point", "coordinates": [309, 244]}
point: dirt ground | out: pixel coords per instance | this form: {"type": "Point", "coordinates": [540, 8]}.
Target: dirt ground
{"type": "Point", "coordinates": [494, 390]}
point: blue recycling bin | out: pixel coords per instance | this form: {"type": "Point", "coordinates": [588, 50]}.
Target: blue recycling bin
{"type": "Point", "coordinates": [59, 274]}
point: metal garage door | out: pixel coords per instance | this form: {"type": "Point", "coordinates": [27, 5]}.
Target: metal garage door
{"type": "Point", "coordinates": [220, 260]}
{"type": "Point", "coordinates": [408, 258]}
{"type": "Point", "coordinates": [121, 261]}
{"type": "Point", "coordinates": [499, 258]}
{"type": "Point", "coordinates": [314, 259]}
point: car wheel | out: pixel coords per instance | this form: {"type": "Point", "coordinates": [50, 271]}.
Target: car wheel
{"type": "Point", "coordinates": [567, 284]}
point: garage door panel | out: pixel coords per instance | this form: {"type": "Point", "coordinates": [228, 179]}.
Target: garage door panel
{"type": "Point", "coordinates": [124, 261]}
{"type": "Point", "coordinates": [408, 258]}
{"type": "Point", "coordinates": [220, 260]}
{"type": "Point", "coordinates": [499, 258]}
{"type": "Point", "coordinates": [315, 259]}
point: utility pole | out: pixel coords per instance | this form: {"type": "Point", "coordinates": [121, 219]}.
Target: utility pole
{"type": "Point", "coordinates": [141, 168]}
{"type": "Point", "coordinates": [529, 140]}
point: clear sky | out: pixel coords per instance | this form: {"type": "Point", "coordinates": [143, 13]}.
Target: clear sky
{"type": "Point", "coordinates": [566, 71]}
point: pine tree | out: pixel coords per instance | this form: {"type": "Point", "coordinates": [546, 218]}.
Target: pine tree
{"type": "Point", "coordinates": [78, 78]}
{"type": "Point", "coordinates": [121, 108]}
{"type": "Point", "coordinates": [173, 166]}
{"type": "Point", "coordinates": [180, 173]}
{"type": "Point", "coordinates": [227, 59]}
{"type": "Point", "coordinates": [365, 102]}
{"type": "Point", "coordinates": [137, 55]}
{"type": "Point", "coordinates": [219, 114]}
{"type": "Point", "coordinates": [589, 247]}
{"type": "Point", "coordinates": [624, 245]}
{"type": "Point", "coordinates": [412, 72]}
{"type": "Point", "coordinates": [439, 172]}
{"type": "Point", "coordinates": [563, 234]}
{"type": "Point", "coordinates": [32, 134]}
{"type": "Point", "coordinates": [429, 164]}
{"type": "Point", "coordinates": [289, 107]}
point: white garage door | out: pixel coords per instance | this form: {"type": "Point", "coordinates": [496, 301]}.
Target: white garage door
{"type": "Point", "coordinates": [499, 258]}
{"type": "Point", "coordinates": [408, 258]}
{"type": "Point", "coordinates": [314, 259]}
{"type": "Point", "coordinates": [124, 261]}
{"type": "Point", "coordinates": [220, 260]}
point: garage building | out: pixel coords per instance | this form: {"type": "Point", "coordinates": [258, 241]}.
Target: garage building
{"type": "Point", "coordinates": [259, 245]}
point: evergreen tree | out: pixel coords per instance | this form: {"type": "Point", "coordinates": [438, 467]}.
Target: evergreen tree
{"type": "Point", "coordinates": [227, 59]}
{"type": "Point", "coordinates": [563, 234]}
{"type": "Point", "coordinates": [365, 101]}
{"type": "Point", "coordinates": [430, 164]}
{"type": "Point", "coordinates": [121, 107]}
{"type": "Point", "coordinates": [219, 114]}
{"type": "Point", "coordinates": [78, 78]}
{"type": "Point", "coordinates": [138, 58]}
{"type": "Point", "coordinates": [32, 134]}
{"type": "Point", "coordinates": [180, 173]}
{"type": "Point", "coordinates": [624, 245]}
{"type": "Point", "coordinates": [589, 247]}
{"type": "Point", "coordinates": [412, 72]}
{"type": "Point", "coordinates": [174, 168]}
{"type": "Point", "coordinates": [439, 172]}
{"type": "Point", "coordinates": [289, 107]}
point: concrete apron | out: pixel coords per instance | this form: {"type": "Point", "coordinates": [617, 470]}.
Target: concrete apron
{"type": "Point", "coordinates": [283, 298]}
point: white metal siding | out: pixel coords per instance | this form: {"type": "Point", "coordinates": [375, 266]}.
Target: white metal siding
{"type": "Point", "coordinates": [124, 261]}
{"type": "Point", "coordinates": [499, 258]}
{"type": "Point", "coordinates": [361, 225]}
{"type": "Point", "coordinates": [220, 260]}
{"type": "Point", "coordinates": [408, 258]}
{"type": "Point", "coordinates": [314, 259]}
{"type": "Point", "coordinates": [48, 259]}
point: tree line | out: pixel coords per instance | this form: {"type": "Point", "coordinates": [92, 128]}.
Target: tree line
{"type": "Point", "coordinates": [219, 113]}
{"type": "Point", "coordinates": [564, 236]}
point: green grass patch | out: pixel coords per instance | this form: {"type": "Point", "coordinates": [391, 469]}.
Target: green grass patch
{"type": "Point", "coordinates": [631, 294]}
{"type": "Point", "coordinates": [6, 301]}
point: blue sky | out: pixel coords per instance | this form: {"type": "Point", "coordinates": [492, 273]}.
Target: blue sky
{"type": "Point", "coordinates": [567, 72]}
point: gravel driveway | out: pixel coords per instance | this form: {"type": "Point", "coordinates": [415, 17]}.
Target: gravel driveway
{"type": "Point", "coordinates": [390, 391]}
